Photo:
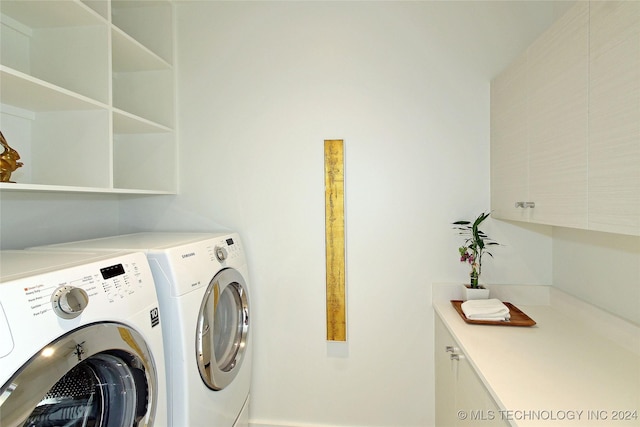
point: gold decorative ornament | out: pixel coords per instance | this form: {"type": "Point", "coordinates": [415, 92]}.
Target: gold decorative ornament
{"type": "Point", "coordinates": [334, 229]}
{"type": "Point", "coordinates": [8, 161]}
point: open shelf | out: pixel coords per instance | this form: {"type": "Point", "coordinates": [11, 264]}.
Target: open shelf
{"type": "Point", "coordinates": [87, 95]}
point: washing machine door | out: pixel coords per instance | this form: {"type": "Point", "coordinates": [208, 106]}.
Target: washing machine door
{"type": "Point", "coordinates": [223, 327]}
{"type": "Point", "coordinates": [99, 375]}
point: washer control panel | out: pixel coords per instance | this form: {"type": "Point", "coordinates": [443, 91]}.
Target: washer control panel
{"type": "Point", "coordinates": [97, 286]}
{"type": "Point", "coordinates": [53, 293]}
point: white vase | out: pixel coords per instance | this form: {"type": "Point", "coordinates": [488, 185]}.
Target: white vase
{"type": "Point", "coordinates": [474, 293]}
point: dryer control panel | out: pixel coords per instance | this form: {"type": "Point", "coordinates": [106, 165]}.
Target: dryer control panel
{"type": "Point", "coordinates": [226, 249]}
{"type": "Point", "coordinates": [187, 267]}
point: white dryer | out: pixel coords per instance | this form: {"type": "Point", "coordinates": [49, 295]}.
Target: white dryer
{"type": "Point", "coordinates": [202, 283]}
{"type": "Point", "coordinates": [80, 341]}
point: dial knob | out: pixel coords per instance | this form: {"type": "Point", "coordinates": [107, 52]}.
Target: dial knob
{"type": "Point", "coordinates": [68, 302]}
{"type": "Point", "coordinates": [221, 253]}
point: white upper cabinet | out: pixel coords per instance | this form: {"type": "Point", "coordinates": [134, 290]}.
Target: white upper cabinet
{"type": "Point", "coordinates": [510, 142]}
{"type": "Point", "coordinates": [558, 101]}
{"type": "Point", "coordinates": [614, 117]}
{"type": "Point", "coordinates": [87, 95]}
{"type": "Point", "coordinates": [565, 124]}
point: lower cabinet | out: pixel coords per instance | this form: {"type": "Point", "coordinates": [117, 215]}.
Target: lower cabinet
{"type": "Point", "coordinates": [461, 397]}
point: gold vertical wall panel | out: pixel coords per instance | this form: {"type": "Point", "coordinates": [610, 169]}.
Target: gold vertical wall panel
{"type": "Point", "coordinates": [334, 229]}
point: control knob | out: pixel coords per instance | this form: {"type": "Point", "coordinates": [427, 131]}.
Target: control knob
{"type": "Point", "coordinates": [68, 302]}
{"type": "Point", "coordinates": [221, 253]}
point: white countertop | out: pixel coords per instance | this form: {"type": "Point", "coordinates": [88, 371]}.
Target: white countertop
{"type": "Point", "coordinates": [557, 369]}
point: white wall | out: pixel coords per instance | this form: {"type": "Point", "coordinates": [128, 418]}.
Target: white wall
{"type": "Point", "coordinates": [34, 218]}
{"type": "Point", "coordinates": [600, 268]}
{"type": "Point", "coordinates": [406, 85]}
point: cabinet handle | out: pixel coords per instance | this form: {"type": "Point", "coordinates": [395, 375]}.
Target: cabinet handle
{"type": "Point", "coordinates": [525, 205]}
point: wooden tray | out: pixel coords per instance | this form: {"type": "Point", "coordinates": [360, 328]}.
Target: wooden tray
{"type": "Point", "coordinates": [518, 318]}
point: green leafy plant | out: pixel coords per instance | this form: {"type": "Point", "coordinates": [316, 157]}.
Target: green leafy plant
{"type": "Point", "coordinates": [475, 245]}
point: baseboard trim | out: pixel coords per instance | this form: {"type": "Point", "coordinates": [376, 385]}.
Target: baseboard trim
{"type": "Point", "coordinates": [254, 423]}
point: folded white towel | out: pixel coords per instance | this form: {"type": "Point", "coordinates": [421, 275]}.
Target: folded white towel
{"type": "Point", "coordinates": [485, 309]}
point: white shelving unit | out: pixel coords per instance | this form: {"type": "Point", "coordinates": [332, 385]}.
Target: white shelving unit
{"type": "Point", "coordinates": [87, 95]}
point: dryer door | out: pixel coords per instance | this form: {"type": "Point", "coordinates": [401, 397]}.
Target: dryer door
{"type": "Point", "coordinates": [223, 327]}
{"type": "Point", "coordinates": [98, 375]}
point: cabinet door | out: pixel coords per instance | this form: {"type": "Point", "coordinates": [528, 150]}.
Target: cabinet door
{"type": "Point", "coordinates": [445, 377]}
{"type": "Point", "coordinates": [461, 397]}
{"type": "Point", "coordinates": [614, 117]}
{"type": "Point", "coordinates": [473, 399]}
{"type": "Point", "coordinates": [558, 119]}
{"type": "Point", "coordinates": [509, 142]}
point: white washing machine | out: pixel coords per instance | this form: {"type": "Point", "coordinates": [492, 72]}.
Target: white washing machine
{"type": "Point", "coordinates": [202, 284]}
{"type": "Point", "coordinates": [80, 341]}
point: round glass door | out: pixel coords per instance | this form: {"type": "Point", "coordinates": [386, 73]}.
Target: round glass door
{"type": "Point", "coordinates": [101, 391]}
{"type": "Point", "coordinates": [223, 325]}
{"type": "Point", "coordinates": [99, 376]}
